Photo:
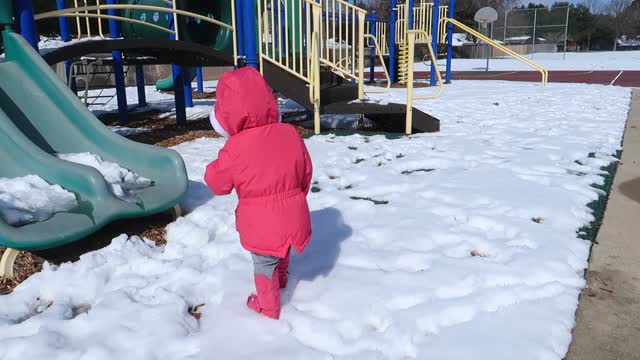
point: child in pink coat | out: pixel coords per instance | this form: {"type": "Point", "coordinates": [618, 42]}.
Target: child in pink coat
{"type": "Point", "coordinates": [268, 165]}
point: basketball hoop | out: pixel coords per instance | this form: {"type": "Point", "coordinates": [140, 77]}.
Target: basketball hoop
{"type": "Point", "coordinates": [485, 16]}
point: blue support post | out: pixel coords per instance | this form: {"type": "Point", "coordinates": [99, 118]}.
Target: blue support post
{"type": "Point", "coordinates": [434, 38]}
{"type": "Point", "coordinates": [186, 84]}
{"type": "Point", "coordinates": [452, 14]}
{"type": "Point", "coordinates": [372, 52]}
{"type": "Point", "coordinates": [239, 34]}
{"type": "Point", "coordinates": [142, 97]}
{"type": "Point", "coordinates": [178, 85]}
{"type": "Point", "coordinates": [26, 21]}
{"type": "Point", "coordinates": [410, 3]}
{"type": "Point", "coordinates": [200, 80]}
{"type": "Point", "coordinates": [65, 30]}
{"type": "Point", "coordinates": [65, 34]}
{"type": "Point", "coordinates": [178, 94]}
{"type": "Point", "coordinates": [392, 41]}
{"type": "Point", "coordinates": [118, 65]}
{"type": "Point", "coordinates": [250, 31]}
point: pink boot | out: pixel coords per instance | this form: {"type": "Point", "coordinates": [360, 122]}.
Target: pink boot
{"type": "Point", "coordinates": [282, 270]}
{"type": "Point", "coordinates": [267, 300]}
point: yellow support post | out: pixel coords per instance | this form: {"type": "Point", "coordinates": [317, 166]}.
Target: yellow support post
{"type": "Point", "coordinates": [361, 18]}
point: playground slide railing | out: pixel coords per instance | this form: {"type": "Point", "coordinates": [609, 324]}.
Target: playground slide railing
{"type": "Point", "coordinates": [95, 11]}
{"type": "Point", "coordinates": [411, 37]}
{"type": "Point", "coordinates": [543, 72]}
{"type": "Point", "coordinates": [422, 20]}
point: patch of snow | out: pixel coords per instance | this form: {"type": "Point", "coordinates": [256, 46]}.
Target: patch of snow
{"type": "Point", "coordinates": [157, 100]}
{"type": "Point", "coordinates": [30, 199]}
{"type": "Point", "coordinates": [587, 61]}
{"type": "Point", "coordinates": [126, 131]}
{"type": "Point", "coordinates": [333, 44]}
{"type": "Point", "coordinates": [423, 247]}
{"type": "Point", "coordinates": [123, 182]}
{"type": "Point", "coordinates": [460, 39]}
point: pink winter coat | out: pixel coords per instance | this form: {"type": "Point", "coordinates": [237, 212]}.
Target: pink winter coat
{"type": "Point", "coordinates": [265, 161]}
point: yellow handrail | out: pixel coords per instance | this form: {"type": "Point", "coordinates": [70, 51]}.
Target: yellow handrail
{"type": "Point", "coordinates": [384, 66]}
{"type": "Point", "coordinates": [314, 83]}
{"type": "Point", "coordinates": [176, 23]}
{"type": "Point", "coordinates": [233, 28]}
{"type": "Point", "coordinates": [543, 71]}
{"type": "Point", "coordinates": [120, 18]}
{"type": "Point", "coordinates": [56, 13]}
{"type": "Point", "coordinates": [410, 97]}
{"type": "Point", "coordinates": [75, 12]}
{"type": "Point", "coordinates": [350, 63]}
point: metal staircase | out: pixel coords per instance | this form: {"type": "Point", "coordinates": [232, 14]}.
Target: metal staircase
{"type": "Point", "coordinates": [313, 53]}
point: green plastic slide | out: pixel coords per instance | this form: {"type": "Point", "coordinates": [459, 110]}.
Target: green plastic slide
{"type": "Point", "coordinates": [41, 117]}
{"type": "Point", "coordinates": [167, 84]}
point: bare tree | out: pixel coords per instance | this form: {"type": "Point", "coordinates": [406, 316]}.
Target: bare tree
{"type": "Point", "coordinates": [621, 12]}
{"type": "Point", "coordinates": [595, 6]}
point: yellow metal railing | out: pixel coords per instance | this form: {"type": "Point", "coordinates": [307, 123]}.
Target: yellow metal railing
{"type": "Point", "coordinates": [543, 72]}
{"type": "Point", "coordinates": [342, 40]}
{"type": "Point", "coordinates": [87, 21]}
{"type": "Point", "coordinates": [381, 35]}
{"type": "Point", "coordinates": [422, 20]}
{"type": "Point", "coordinates": [314, 86]}
{"type": "Point", "coordinates": [384, 66]}
{"type": "Point", "coordinates": [412, 34]}
{"type": "Point", "coordinates": [286, 30]}
{"type": "Point", "coordinates": [87, 12]}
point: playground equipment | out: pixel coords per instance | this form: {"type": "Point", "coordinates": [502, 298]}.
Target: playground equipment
{"type": "Point", "coordinates": [152, 19]}
{"type": "Point", "coordinates": [312, 51]}
{"type": "Point", "coordinates": [31, 136]}
{"type": "Point", "coordinates": [281, 41]}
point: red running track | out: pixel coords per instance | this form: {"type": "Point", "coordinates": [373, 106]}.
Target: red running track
{"type": "Point", "coordinates": [625, 78]}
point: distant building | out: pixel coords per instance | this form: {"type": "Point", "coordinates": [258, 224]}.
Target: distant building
{"type": "Point", "coordinates": [626, 43]}
{"type": "Point", "coordinates": [524, 40]}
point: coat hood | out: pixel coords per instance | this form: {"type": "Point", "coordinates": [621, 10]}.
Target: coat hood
{"type": "Point", "coordinates": [244, 101]}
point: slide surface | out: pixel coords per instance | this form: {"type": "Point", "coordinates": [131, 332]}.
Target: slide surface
{"type": "Point", "coordinates": [39, 118]}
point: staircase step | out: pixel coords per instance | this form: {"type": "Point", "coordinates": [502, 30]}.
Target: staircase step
{"type": "Point", "coordinates": [390, 117]}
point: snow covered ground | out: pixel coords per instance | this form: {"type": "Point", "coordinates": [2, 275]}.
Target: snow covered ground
{"type": "Point", "coordinates": [155, 100]}
{"type": "Point", "coordinates": [606, 60]}
{"type": "Point", "coordinates": [455, 245]}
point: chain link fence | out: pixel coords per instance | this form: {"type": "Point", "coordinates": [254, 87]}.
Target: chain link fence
{"type": "Point", "coordinates": [525, 31]}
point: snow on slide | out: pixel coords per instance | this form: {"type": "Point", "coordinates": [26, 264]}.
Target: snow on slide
{"type": "Point", "coordinates": [123, 182]}
{"type": "Point", "coordinates": [31, 199]}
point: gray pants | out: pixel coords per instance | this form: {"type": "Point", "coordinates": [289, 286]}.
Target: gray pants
{"type": "Point", "coordinates": [265, 264]}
